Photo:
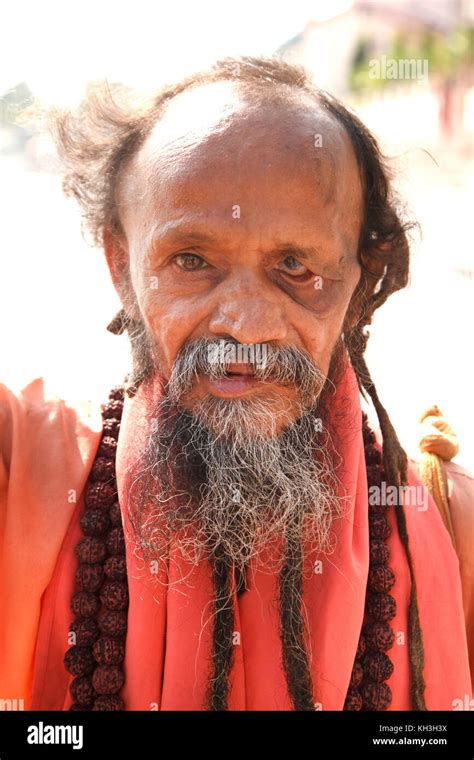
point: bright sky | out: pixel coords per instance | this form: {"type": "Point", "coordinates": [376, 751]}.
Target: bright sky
{"type": "Point", "coordinates": [56, 46]}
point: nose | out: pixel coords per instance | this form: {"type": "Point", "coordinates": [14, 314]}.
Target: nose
{"type": "Point", "coordinates": [248, 312]}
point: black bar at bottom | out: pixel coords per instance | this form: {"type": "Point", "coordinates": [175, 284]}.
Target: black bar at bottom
{"type": "Point", "coordinates": [165, 734]}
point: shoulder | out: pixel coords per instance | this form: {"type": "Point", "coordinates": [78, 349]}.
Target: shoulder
{"type": "Point", "coordinates": [458, 476]}
{"type": "Point", "coordinates": [460, 483]}
{"type": "Point", "coordinates": [36, 413]}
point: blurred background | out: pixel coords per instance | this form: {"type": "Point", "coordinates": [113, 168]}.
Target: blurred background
{"type": "Point", "coordinates": [405, 66]}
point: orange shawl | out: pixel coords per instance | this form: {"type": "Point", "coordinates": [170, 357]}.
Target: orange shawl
{"type": "Point", "coordinates": [169, 630]}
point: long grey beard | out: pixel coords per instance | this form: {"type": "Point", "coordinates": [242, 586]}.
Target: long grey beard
{"type": "Point", "coordinates": [220, 482]}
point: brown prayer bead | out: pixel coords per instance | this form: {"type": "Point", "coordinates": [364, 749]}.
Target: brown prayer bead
{"type": "Point", "coordinates": [353, 701]}
{"type": "Point", "coordinates": [357, 675]}
{"type": "Point", "coordinates": [108, 679]}
{"type": "Point", "coordinates": [85, 630]}
{"type": "Point", "coordinates": [108, 702]}
{"type": "Point", "coordinates": [379, 552]}
{"type": "Point", "coordinates": [361, 647]}
{"type": "Point", "coordinates": [108, 446]}
{"type": "Point", "coordinates": [89, 577]}
{"type": "Point", "coordinates": [95, 522]}
{"type": "Point", "coordinates": [382, 607]}
{"type": "Point", "coordinates": [380, 636]}
{"type": "Point", "coordinates": [100, 495]}
{"type": "Point", "coordinates": [111, 427]}
{"type": "Point", "coordinates": [115, 514]}
{"type": "Point", "coordinates": [379, 527]}
{"type": "Point", "coordinates": [381, 578]}
{"type": "Point", "coordinates": [112, 409]}
{"type": "Point", "coordinates": [116, 568]}
{"type": "Point", "coordinates": [79, 661]}
{"type": "Point", "coordinates": [114, 595]}
{"type": "Point", "coordinates": [113, 622]}
{"type": "Point", "coordinates": [108, 651]}
{"type": "Point", "coordinates": [116, 541]}
{"type": "Point", "coordinates": [91, 550]}
{"type": "Point", "coordinates": [85, 604]}
{"type": "Point", "coordinates": [375, 696]}
{"type": "Point", "coordinates": [117, 393]}
{"type": "Point", "coordinates": [103, 470]}
{"type": "Point", "coordinates": [377, 666]}
{"type": "Point", "coordinates": [82, 690]}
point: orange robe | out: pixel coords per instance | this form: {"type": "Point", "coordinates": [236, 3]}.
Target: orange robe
{"type": "Point", "coordinates": [48, 447]}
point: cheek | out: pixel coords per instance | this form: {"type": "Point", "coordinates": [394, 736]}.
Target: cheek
{"type": "Point", "coordinates": [169, 321]}
{"type": "Point", "coordinates": [321, 332]}
{"type": "Point", "coordinates": [169, 326]}
{"type": "Point", "coordinates": [320, 344]}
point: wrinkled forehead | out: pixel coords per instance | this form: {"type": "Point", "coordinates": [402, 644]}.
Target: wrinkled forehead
{"type": "Point", "coordinates": [217, 134]}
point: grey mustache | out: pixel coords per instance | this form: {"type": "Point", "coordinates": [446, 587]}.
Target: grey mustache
{"type": "Point", "coordinates": [283, 365]}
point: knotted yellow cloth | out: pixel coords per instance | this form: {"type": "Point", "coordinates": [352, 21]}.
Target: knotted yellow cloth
{"type": "Point", "coordinates": [438, 443]}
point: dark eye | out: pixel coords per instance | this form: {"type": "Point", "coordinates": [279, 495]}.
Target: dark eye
{"type": "Point", "coordinates": [190, 262]}
{"type": "Point", "coordinates": [291, 266]}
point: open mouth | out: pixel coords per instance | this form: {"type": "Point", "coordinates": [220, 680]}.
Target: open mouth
{"type": "Point", "coordinates": [239, 370]}
{"type": "Point", "coordinates": [238, 380]}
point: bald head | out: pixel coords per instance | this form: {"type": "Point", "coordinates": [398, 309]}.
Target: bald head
{"type": "Point", "coordinates": [220, 134]}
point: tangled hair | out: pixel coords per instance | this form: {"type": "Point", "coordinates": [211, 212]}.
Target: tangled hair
{"type": "Point", "coordinates": [97, 141]}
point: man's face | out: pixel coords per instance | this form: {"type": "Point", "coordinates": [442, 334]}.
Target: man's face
{"type": "Point", "coordinates": [242, 222]}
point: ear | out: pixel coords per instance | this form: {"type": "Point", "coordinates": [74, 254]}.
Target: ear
{"type": "Point", "coordinates": [375, 261]}
{"type": "Point", "coordinates": [373, 267]}
{"type": "Point", "coordinates": [116, 256]}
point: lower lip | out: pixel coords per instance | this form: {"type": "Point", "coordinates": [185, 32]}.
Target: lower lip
{"type": "Point", "coordinates": [234, 385]}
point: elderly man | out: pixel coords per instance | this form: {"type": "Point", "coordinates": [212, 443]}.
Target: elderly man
{"type": "Point", "coordinates": [219, 537]}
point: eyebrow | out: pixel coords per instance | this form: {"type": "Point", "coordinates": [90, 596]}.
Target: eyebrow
{"type": "Point", "coordinates": [179, 235]}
